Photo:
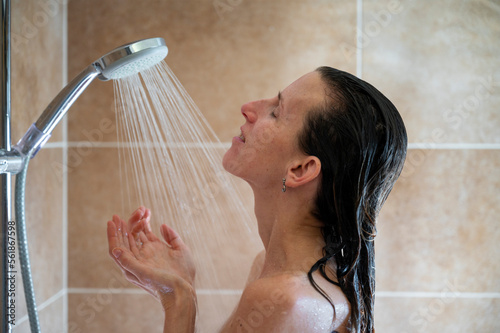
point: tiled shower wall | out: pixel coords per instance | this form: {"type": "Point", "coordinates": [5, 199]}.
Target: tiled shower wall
{"type": "Point", "coordinates": [38, 70]}
{"type": "Point", "coordinates": [437, 255]}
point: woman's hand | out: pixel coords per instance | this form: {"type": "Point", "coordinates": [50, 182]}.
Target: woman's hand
{"type": "Point", "coordinates": [139, 221]}
{"type": "Point", "coordinates": [163, 269]}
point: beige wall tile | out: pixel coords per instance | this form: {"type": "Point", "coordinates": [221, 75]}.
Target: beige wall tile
{"type": "Point", "coordinates": [214, 310]}
{"type": "Point", "coordinates": [51, 319]}
{"type": "Point", "coordinates": [441, 314]}
{"type": "Point", "coordinates": [44, 221]}
{"type": "Point", "coordinates": [36, 62]}
{"type": "Point", "coordinates": [93, 198]}
{"type": "Point", "coordinates": [108, 312]}
{"type": "Point", "coordinates": [439, 224]}
{"type": "Point", "coordinates": [223, 58]}
{"type": "Point", "coordinates": [438, 63]}
{"type": "Point", "coordinates": [111, 312]}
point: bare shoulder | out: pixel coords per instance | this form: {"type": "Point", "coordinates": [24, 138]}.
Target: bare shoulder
{"type": "Point", "coordinates": [282, 303]}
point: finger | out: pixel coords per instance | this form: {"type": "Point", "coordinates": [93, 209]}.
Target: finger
{"type": "Point", "coordinates": [132, 239]}
{"type": "Point", "coordinates": [117, 223]}
{"type": "Point", "coordinates": [171, 237]}
{"type": "Point", "coordinates": [143, 227]}
{"type": "Point", "coordinates": [117, 219]}
{"type": "Point", "coordinates": [141, 210]}
{"type": "Point", "coordinates": [146, 220]}
{"type": "Point", "coordinates": [143, 238]}
{"type": "Point", "coordinates": [147, 215]}
{"type": "Point", "coordinates": [143, 224]}
{"type": "Point", "coordinates": [135, 217]}
{"type": "Point", "coordinates": [119, 229]}
{"type": "Point", "coordinates": [137, 228]}
{"type": "Point", "coordinates": [112, 233]}
{"type": "Point", "coordinates": [124, 235]}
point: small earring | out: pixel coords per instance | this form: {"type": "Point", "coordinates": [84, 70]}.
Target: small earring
{"type": "Point", "coordinates": [284, 186]}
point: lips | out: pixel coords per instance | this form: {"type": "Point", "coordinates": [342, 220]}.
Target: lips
{"type": "Point", "coordinates": [242, 136]}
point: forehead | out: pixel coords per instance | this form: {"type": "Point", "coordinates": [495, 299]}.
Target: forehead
{"type": "Point", "coordinates": [305, 93]}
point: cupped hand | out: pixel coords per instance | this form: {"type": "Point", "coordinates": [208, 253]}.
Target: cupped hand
{"type": "Point", "coordinates": [162, 268]}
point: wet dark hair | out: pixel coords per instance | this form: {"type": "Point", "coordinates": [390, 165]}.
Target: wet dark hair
{"type": "Point", "coordinates": [360, 139]}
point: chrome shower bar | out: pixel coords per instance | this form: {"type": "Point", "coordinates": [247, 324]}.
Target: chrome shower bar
{"type": "Point", "coordinates": [5, 178]}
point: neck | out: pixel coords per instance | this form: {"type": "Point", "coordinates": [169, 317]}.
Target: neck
{"type": "Point", "coordinates": [290, 234]}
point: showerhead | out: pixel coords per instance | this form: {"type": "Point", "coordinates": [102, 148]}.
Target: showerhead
{"type": "Point", "coordinates": [123, 61]}
{"type": "Point", "coordinates": [131, 58]}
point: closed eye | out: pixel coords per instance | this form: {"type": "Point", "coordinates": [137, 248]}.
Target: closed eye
{"type": "Point", "coordinates": [275, 111]}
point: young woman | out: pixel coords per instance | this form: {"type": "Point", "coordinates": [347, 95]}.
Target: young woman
{"type": "Point", "coordinates": [321, 158]}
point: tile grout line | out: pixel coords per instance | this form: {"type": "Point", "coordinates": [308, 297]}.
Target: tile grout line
{"type": "Point", "coordinates": [228, 292]}
{"type": "Point", "coordinates": [136, 291]}
{"type": "Point", "coordinates": [359, 38]}
{"type": "Point", "coordinates": [465, 146]}
{"type": "Point", "coordinates": [226, 145]}
{"type": "Point", "coordinates": [431, 294]}
{"type": "Point", "coordinates": [45, 304]}
{"type": "Point", "coordinates": [132, 291]}
{"type": "Point", "coordinates": [65, 174]}
{"type": "Point", "coordinates": [129, 291]}
{"type": "Point", "coordinates": [380, 294]}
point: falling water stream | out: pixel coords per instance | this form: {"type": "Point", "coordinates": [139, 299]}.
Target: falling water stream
{"type": "Point", "coordinates": [171, 161]}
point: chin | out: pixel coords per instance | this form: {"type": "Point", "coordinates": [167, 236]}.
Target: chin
{"type": "Point", "coordinates": [230, 163]}
{"type": "Point", "coordinates": [227, 162]}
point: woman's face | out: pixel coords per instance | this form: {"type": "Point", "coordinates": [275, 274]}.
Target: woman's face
{"type": "Point", "coordinates": [268, 140]}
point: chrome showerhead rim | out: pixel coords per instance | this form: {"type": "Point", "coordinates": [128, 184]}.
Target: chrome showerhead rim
{"type": "Point", "coordinates": [131, 58]}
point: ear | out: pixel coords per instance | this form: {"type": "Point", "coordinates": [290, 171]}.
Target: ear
{"type": "Point", "coordinates": [303, 171]}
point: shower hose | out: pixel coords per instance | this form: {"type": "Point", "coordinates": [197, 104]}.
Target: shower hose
{"type": "Point", "coordinates": [23, 248]}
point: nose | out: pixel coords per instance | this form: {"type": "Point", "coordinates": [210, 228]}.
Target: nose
{"type": "Point", "coordinates": [249, 111]}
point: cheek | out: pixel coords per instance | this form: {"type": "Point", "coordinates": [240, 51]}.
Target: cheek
{"type": "Point", "coordinates": [263, 133]}
{"type": "Point", "coordinates": [265, 136]}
